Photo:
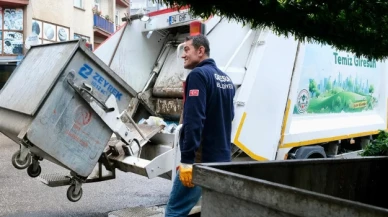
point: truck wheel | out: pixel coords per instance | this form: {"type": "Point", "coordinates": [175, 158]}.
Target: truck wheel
{"type": "Point", "coordinates": [310, 152]}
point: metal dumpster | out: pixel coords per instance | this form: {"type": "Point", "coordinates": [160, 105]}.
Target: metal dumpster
{"type": "Point", "coordinates": [314, 188]}
{"type": "Point", "coordinates": [63, 104]}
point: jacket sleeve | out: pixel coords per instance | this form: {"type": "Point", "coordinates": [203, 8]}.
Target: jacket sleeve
{"type": "Point", "coordinates": [194, 115]}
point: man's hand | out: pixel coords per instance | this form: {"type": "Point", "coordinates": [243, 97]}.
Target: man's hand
{"type": "Point", "coordinates": [186, 174]}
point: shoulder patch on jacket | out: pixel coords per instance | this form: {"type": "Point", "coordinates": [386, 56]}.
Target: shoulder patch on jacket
{"type": "Point", "coordinates": [194, 92]}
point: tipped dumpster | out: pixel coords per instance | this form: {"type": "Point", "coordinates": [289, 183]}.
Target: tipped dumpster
{"type": "Point", "coordinates": [63, 104]}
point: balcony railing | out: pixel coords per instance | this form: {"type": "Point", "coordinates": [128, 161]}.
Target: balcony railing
{"type": "Point", "coordinates": [103, 24]}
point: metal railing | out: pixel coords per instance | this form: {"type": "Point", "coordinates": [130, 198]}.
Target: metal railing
{"type": "Point", "coordinates": [103, 24]}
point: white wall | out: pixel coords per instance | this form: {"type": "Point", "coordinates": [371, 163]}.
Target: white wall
{"type": "Point", "coordinates": [62, 12]}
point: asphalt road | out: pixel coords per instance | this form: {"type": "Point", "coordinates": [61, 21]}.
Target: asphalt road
{"type": "Point", "coordinates": [22, 196]}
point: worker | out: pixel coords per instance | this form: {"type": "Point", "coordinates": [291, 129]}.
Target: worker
{"type": "Point", "coordinates": [207, 122]}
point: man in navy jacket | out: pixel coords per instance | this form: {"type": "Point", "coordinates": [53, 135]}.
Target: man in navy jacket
{"type": "Point", "coordinates": [207, 121]}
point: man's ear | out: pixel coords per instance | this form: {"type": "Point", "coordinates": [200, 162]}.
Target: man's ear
{"type": "Point", "coordinates": [202, 50]}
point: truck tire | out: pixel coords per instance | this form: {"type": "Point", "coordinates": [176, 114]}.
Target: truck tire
{"type": "Point", "coordinates": [309, 152]}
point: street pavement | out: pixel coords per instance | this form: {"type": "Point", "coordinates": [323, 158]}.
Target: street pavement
{"type": "Point", "coordinates": [22, 196]}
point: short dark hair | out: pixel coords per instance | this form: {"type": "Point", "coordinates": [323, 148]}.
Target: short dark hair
{"type": "Point", "coordinates": [198, 41]}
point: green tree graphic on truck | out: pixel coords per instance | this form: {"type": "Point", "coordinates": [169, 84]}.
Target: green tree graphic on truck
{"type": "Point", "coordinates": [338, 96]}
{"type": "Point", "coordinates": [334, 82]}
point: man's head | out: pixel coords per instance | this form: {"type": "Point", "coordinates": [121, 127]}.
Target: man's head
{"type": "Point", "coordinates": [195, 51]}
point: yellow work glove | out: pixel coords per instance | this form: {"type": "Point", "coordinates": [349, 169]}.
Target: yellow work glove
{"type": "Point", "coordinates": [186, 174]}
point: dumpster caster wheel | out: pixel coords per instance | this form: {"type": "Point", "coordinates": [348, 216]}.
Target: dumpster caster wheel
{"type": "Point", "coordinates": [72, 195]}
{"type": "Point", "coordinates": [34, 173]}
{"type": "Point", "coordinates": [18, 163]}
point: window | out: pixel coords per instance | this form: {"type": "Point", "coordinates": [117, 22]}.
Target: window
{"type": "Point", "coordinates": [5, 73]}
{"type": "Point", "coordinates": [97, 5]}
{"type": "Point", "coordinates": [78, 3]}
{"type": "Point", "coordinates": [49, 32]}
{"type": "Point", "coordinates": [11, 31]}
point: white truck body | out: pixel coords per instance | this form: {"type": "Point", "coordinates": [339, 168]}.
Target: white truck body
{"type": "Point", "coordinates": [290, 94]}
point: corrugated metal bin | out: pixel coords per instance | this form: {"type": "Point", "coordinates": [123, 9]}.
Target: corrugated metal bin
{"type": "Point", "coordinates": [308, 188]}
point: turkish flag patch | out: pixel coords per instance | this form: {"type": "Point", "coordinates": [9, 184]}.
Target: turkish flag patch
{"type": "Point", "coordinates": [193, 92]}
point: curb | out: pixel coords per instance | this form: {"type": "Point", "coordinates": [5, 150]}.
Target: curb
{"type": "Point", "coordinates": [141, 211]}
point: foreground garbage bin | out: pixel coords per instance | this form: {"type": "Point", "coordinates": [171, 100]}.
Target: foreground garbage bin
{"type": "Point", "coordinates": [63, 104]}
{"type": "Point", "coordinates": [308, 188]}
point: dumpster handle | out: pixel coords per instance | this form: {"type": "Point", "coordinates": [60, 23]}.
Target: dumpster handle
{"type": "Point", "coordinates": [80, 90]}
{"type": "Point", "coordinates": [138, 143]}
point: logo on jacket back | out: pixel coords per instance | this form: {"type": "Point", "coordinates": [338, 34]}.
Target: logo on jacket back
{"type": "Point", "coordinates": [194, 92]}
{"type": "Point", "coordinates": [223, 82]}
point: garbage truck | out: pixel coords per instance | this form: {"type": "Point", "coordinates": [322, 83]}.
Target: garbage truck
{"type": "Point", "coordinates": [294, 100]}
{"type": "Point", "coordinates": [119, 107]}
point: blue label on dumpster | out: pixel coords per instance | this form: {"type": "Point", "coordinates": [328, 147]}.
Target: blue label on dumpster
{"type": "Point", "coordinates": [99, 82]}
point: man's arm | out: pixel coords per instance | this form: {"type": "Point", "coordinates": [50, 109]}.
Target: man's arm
{"type": "Point", "coordinates": [194, 115]}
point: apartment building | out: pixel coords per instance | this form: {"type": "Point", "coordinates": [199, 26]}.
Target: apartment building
{"type": "Point", "coordinates": [107, 16]}
{"type": "Point", "coordinates": [59, 20]}
{"type": "Point", "coordinates": [12, 33]}
{"type": "Point", "coordinates": [28, 22]}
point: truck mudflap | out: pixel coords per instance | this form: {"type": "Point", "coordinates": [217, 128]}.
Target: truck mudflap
{"type": "Point", "coordinates": [319, 188]}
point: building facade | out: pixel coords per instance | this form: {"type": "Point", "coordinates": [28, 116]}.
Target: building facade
{"type": "Point", "coordinates": [28, 22]}
{"type": "Point", "coordinates": [107, 16]}
{"type": "Point", "coordinates": [60, 20]}
{"type": "Point", "coordinates": [12, 34]}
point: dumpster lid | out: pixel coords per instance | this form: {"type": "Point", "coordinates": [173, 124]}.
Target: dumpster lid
{"type": "Point", "coordinates": [38, 72]}
{"type": "Point", "coordinates": [40, 68]}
